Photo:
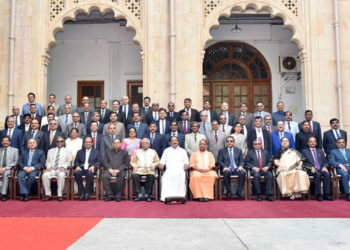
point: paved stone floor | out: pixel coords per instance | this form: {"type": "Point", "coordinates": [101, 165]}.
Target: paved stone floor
{"type": "Point", "coordinates": [296, 234]}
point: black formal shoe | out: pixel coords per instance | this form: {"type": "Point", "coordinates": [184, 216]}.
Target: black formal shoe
{"type": "Point", "coordinates": [201, 199]}
{"type": "Point", "coordinates": [348, 197]}
{"type": "Point", "coordinates": [26, 197]}
{"type": "Point", "coordinates": [205, 199]}
{"type": "Point", "coordinates": [86, 196]}
{"type": "Point", "coordinates": [319, 198]}
{"type": "Point", "coordinates": [60, 199]}
{"type": "Point", "coordinates": [22, 197]}
{"type": "Point", "coordinates": [240, 195]}
{"type": "Point", "coordinates": [148, 199]}
{"type": "Point", "coordinates": [118, 199]}
{"type": "Point", "coordinates": [47, 198]}
{"type": "Point", "coordinates": [81, 197]}
{"type": "Point", "coordinates": [259, 197]}
{"type": "Point", "coordinates": [3, 198]}
{"type": "Point", "coordinates": [109, 198]}
{"type": "Point", "coordinates": [269, 198]}
{"type": "Point", "coordinates": [229, 195]}
{"type": "Point", "coordinates": [328, 198]}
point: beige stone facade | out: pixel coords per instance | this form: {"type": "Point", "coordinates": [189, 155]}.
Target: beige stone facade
{"type": "Point", "coordinates": [311, 21]}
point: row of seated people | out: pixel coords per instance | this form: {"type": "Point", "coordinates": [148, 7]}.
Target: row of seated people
{"type": "Point", "coordinates": [292, 180]}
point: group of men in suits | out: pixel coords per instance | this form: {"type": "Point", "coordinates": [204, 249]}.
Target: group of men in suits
{"type": "Point", "coordinates": [99, 128]}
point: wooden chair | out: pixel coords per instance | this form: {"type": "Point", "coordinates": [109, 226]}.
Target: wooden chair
{"type": "Point", "coordinates": [336, 179]}
{"type": "Point", "coordinates": [95, 195]}
{"type": "Point", "coordinates": [187, 195]}
{"type": "Point", "coordinates": [188, 179]}
{"type": "Point", "coordinates": [113, 179]}
{"type": "Point", "coordinates": [234, 178]}
{"type": "Point", "coordinates": [16, 195]}
{"type": "Point", "coordinates": [10, 193]}
{"type": "Point", "coordinates": [155, 194]}
{"type": "Point", "coordinates": [312, 180]}
{"type": "Point", "coordinates": [262, 179]}
{"type": "Point", "coordinates": [66, 186]}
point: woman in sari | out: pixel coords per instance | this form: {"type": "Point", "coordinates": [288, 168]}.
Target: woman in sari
{"type": "Point", "coordinates": [293, 182]}
{"type": "Point", "coordinates": [74, 143]}
{"type": "Point", "coordinates": [132, 143]}
{"type": "Point", "coordinates": [240, 139]}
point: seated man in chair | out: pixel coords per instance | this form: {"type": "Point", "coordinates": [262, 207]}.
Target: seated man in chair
{"type": "Point", "coordinates": [259, 163]}
{"type": "Point", "coordinates": [86, 163]}
{"type": "Point", "coordinates": [144, 163]}
{"type": "Point", "coordinates": [32, 159]}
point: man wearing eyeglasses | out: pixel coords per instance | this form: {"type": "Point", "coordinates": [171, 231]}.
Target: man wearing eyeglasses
{"type": "Point", "coordinates": [259, 163]}
{"type": "Point", "coordinates": [57, 162]}
{"type": "Point", "coordinates": [260, 110]}
{"type": "Point", "coordinates": [50, 137]}
{"type": "Point", "coordinates": [76, 124]}
{"type": "Point", "coordinates": [231, 162]}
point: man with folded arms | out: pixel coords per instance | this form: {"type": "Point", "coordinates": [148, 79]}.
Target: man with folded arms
{"type": "Point", "coordinates": [144, 163]}
{"type": "Point", "coordinates": [116, 162]}
{"type": "Point", "coordinates": [57, 162]}
{"type": "Point", "coordinates": [203, 175]}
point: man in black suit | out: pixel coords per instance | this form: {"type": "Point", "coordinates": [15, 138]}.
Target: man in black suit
{"type": "Point", "coordinates": [33, 113]}
{"type": "Point", "coordinates": [315, 127]}
{"type": "Point", "coordinates": [86, 163]}
{"type": "Point", "coordinates": [184, 123]}
{"type": "Point", "coordinates": [116, 161]}
{"type": "Point", "coordinates": [86, 114]}
{"type": "Point", "coordinates": [25, 126]}
{"type": "Point", "coordinates": [230, 118]}
{"type": "Point", "coordinates": [31, 160]}
{"type": "Point", "coordinates": [35, 133]}
{"type": "Point", "coordinates": [259, 133]}
{"type": "Point", "coordinates": [95, 136]}
{"type": "Point", "coordinates": [317, 162]}
{"type": "Point", "coordinates": [245, 129]}
{"type": "Point", "coordinates": [141, 128]}
{"type": "Point", "coordinates": [172, 115]}
{"type": "Point", "coordinates": [144, 110]}
{"type": "Point", "coordinates": [158, 141]}
{"type": "Point", "coordinates": [49, 139]}
{"type": "Point", "coordinates": [104, 112]}
{"type": "Point", "coordinates": [18, 118]}
{"type": "Point", "coordinates": [46, 127]}
{"type": "Point", "coordinates": [15, 135]}
{"type": "Point", "coordinates": [192, 113]}
{"type": "Point", "coordinates": [125, 107]}
{"type": "Point", "coordinates": [116, 109]}
{"type": "Point", "coordinates": [302, 138]}
{"type": "Point", "coordinates": [135, 109]}
{"type": "Point", "coordinates": [96, 118]}
{"type": "Point", "coordinates": [153, 114]}
{"type": "Point", "coordinates": [259, 164]}
{"type": "Point", "coordinates": [231, 162]}
{"type": "Point", "coordinates": [212, 115]}
{"type": "Point", "coordinates": [174, 132]}
{"type": "Point", "coordinates": [330, 136]}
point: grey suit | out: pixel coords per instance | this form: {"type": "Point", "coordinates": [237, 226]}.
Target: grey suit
{"type": "Point", "coordinates": [39, 137]}
{"type": "Point", "coordinates": [119, 130]}
{"type": "Point", "coordinates": [202, 130]}
{"type": "Point", "coordinates": [81, 128]}
{"type": "Point", "coordinates": [60, 111]}
{"type": "Point", "coordinates": [56, 107]}
{"type": "Point", "coordinates": [249, 118]}
{"type": "Point", "coordinates": [62, 121]}
{"type": "Point", "coordinates": [11, 161]}
{"type": "Point", "coordinates": [214, 146]}
{"type": "Point", "coordinates": [105, 144]}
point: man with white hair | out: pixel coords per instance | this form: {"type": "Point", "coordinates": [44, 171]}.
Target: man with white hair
{"type": "Point", "coordinates": [144, 163]}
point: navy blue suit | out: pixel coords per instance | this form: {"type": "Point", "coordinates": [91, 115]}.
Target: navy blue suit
{"type": "Point", "coordinates": [310, 162]}
{"type": "Point", "coordinates": [82, 118]}
{"type": "Point", "coordinates": [175, 117]}
{"type": "Point", "coordinates": [16, 125]}
{"type": "Point", "coordinates": [277, 116]}
{"type": "Point", "coordinates": [336, 159]}
{"type": "Point", "coordinates": [26, 181]}
{"type": "Point", "coordinates": [213, 116]}
{"type": "Point", "coordinates": [276, 142]}
{"type": "Point", "coordinates": [16, 137]}
{"type": "Point", "coordinates": [223, 161]}
{"type": "Point", "coordinates": [330, 142]}
{"type": "Point", "coordinates": [159, 143]}
{"type": "Point", "coordinates": [167, 127]}
{"type": "Point", "coordinates": [97, 140]}
{"type": "Point", "coordinates": [252, 136]}
{"type": "Point", "coordinates": [94, 160]}
{"type": "Point", "coordinates": [140, 132]}
{"type": "Point", "coordinates": [122, 112]}
{"type": "Point", "coordinates": [99, 130]}
{"type": "Point", "coordinates": [180, 137]}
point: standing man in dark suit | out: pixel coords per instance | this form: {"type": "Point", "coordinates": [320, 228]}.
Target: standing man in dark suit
{"type": "Point", "coordinates": [330, 136]}
{"type": "Point", "coordinates": [125, 107]}
{"type": "Point", "coordinates": [116, 109]}
{"type": "Point", "coordinates": [316, 160]}
{"type": "Point", "coordinates": [46, 127]}
{"type": "Point", "coordinates": [25, 126]}
{"type": "Point", "coordinates": [302, 138]}
{"type": "Point", "coordinates": [315, 127]}
{"type": "Point", "coordinates": [279, 114]}
{"type": "Point", "coordinates": [35, 133]}
{"type": "Point", "coordinates": [135, 109]}
{"type": "Point", "coordinates": [86, 163]}
{"type": "Point", "coordinates": [49, 139]}
{"type": "Point", "coordinates": [192, 113]}
{"type": "Point", "coordinates": [104, 112]}
{"type": "Point", "coordinates": [184, 123]}
{"type": "Point", "coordinates": [84, 100]}
{"type": "Point", "coordinates": [340, 158]}
{"type": "Point", "coordinates": [100, 126]}
{"type": "Point", "coordinates": [86, 114]}
{"type": "Point", "coordinates": [259, 164]}
{"type": "Point", "coordinates": [33, 113]}
{"type": "Point", "coordinates": [244, 111]}
{"type": "Point", "coordinates": [258, 133]}
{"type": "Point", "coordinates": [268, 124]}
{"type": "Point", "coordinates": [212, 115]}
{"type": "Point", "coordinates": [15, 135]}
{"type": "Point", "coordinates": [277, 136]}
{"type": "Point", "coordinates": [162, 124]}
{"type": "Point", "coordinates": [18, 118]}
{"type": "Point", "coordinates": [158, 141]}
{"type": "Point", "coordinates": [153, 114]}
{"type": "Point", "coordinates": [174, 132]}
{"type": "Point", "coordinates": [76, 124]}
{"type": "Point", "coordinates": [231, 162]}
{"type": "Point", "coordinates": [31, 160]}
{"type": "Point", "coordinates": [141, 128]}
{"type": "Point", "coordinates": [172, 115]}
{"type": "Point", "coordinates": [230, 118]}
{"type": "Point", "coordinates": [245, 128]}
{"type": "Point", "coordinates": [95, 136]}
{"type": "Point", "coordinates": [146, 102]}
{"type": "Point", "coordinates": [115, 163]}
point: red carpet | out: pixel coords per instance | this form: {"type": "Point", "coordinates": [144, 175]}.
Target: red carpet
{"type": "Point", "coordinates": [43, 233]}
{"type": "Point", "coordinates": [214, 209]}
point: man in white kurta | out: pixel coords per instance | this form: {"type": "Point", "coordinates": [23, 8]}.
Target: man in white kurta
{"type": "Point", "coordinates": [174, 179]}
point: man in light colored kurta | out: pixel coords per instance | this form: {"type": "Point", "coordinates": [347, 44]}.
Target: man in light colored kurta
{"type": "Point", "coordinates": [144, 163]}
{"type": "Point", "coordinates": [174, 178]}
{"type": "Point", "coordinates": [203, 176]}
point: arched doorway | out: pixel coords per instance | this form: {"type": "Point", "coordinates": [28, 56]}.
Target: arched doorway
{"type": "Point", "coordinates": [236, 72]}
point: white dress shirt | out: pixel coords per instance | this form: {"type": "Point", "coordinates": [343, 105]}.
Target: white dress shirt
{"type": "Point", "coordinates": [87, 155]}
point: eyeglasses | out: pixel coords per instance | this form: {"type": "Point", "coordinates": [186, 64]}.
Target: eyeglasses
{"type": "Point", "coordinates": [53, 123]}
{"type": "Point", "coordinates": [257, 143]}
{"type": "Point", "coordinates": [229, 141]}
{"type": "Point", "coordinates": [59, 141]}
